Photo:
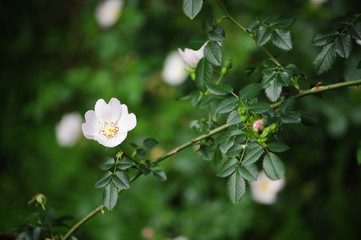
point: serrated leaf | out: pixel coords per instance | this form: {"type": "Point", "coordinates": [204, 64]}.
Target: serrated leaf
{"type": "Point", "coordinates": [219, 90]}
{"type": "Point", "coordinates": [283, 78]}
{"type": "Point", "coordinates": [323, 39]}
{"type": "Point", "coordinates": [250, 91]}
{"type": "Point", "coordinates": [205, 152]}
{"type": "Point", "coordinates": [204, 73]}
{"type": "Point", "coordinates": [281, 38]}
{"type": "Point", "coordinates": [228, 168]}
{"type": "Point", "coordinates": [291, 118]}
{"type": "Point", "coordinates": [213, 53]}
{"type": "Point", "coordinates": [249, 172]}
{"type": "Point", "coordinates": [263, 35]}
{"type": "Point", "coordinates": [343, 45]}
{"type": "Point", "coordinates": [282, 22]}
{"type": "Point", "coordinates": [192, 7]}
{"type": "Point", "coordinates": [121, 180]}
{"type": "Point", "coordinates": [144, 169]}
{"type": "Point", "coordinates": [140, 152]}
{"type": "Point", "coordinates": [217, 156]}
{"type": "Point", "coordinates": [325, 58]}
{"type": "Point", "coordinates": [252, 155]}
{"type": "Point", "coordinates": [161, 175]}
{"type": "Point", "coordinates": [259, 107]}
{"type": "Point", "coordinates": [227, 105]}
{"type": "Point", "coordinates": [236, 187]}
{"type": "Point", "coordinates": [273, 91]}
{"type": "Point", "coordinates": [108, 163]}
{"type": "Point", "coordinates": [273, 166]}
{"type": "Point", "coordinates": [309, 119]}
{"type": "Point", "coordinates": [110, 199]}
{"type": "Point", "coordinates": [124, 162]}
{"type": "Point", "coordinates": [217, 34]}
{"type": "Point", "coordinates": [149, 142]}
{"type": "Point", "coordinates": [208, 22]}
{"type": "Point", "coordinates": [235, 150]}
{"type": "Point", "coordinates": [226, 144]}
{"type": "Point", "coordinates": [355, 31]}
{"type": "Point", "coordinates": [268, 76]}
{"type": "Point", "coordinates": [253, 25]}
{"type": "Point", "coordinates": [234, 118]}
{"type": "Point", "coordinates": [104, 180]}
{"type": "Point", "coordinates": [277, 147]}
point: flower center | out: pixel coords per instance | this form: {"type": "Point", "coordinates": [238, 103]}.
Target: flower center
{"type": "Point", "coordinates": [108, 129]}
{"type": "Point", "coordinates": [265, 187]}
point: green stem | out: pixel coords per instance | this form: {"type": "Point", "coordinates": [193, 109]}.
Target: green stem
{"type": "Point", "coordinates": [204, 136]}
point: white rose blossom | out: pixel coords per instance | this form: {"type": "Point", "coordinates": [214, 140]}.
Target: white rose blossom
{"type": "Point", "coordinates": [174, 70]}
{"type": "Point", "coordinates": [68, 129]}
{"type": "Point", "coordinates": [264, 190]}
{"type": "Point", "coordinates": [109, 123]}
{"type": "Point", "coordinates": [192, 57]}
{"type": "Point", "coordinates": [108, 12]}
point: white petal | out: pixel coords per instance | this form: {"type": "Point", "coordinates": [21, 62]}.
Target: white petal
{"type": "Point", "coordinates": [115, 108]}
{"type": "Point", "coordinates": [127, 121]}
{"type": "Point", "coordinates": [104, 111]}
{"type": "Point", "coordinates": [111, 142]}
{"type": "Point", "coordinates": [88, 130]}
{"type": "Point", "coordinates": [131, 121]}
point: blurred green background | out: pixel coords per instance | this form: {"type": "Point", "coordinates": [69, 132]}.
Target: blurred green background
{"type": "Point", "coordinates": [56, 59]}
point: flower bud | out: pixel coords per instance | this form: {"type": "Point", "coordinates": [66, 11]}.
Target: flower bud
{"type": "Point", "coordinates": [39, 199]}
{"type": "Point", "coordinates": [257, 125]}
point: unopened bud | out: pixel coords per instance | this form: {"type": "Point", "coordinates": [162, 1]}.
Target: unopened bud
{"type": "Point", "coordinates": [39, 199]}
{"type": "Point", "coordinates": [257, 125]}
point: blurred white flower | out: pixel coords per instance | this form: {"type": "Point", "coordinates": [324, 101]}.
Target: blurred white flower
{"type": "Point", "coordinates": [174, 69]}
{"type": "Point", "coordinates": [68, 129]}
{"type": "Point", "coordinates": [109, 123]}
{"type": "Point", "coordinates": [192, 57]}
{"type": "Point", "coordinates": [179, 238]}
{"type": "Point", "coordinates": [265, 190]}
{"type": "Point", "coordinates": [358, 42]}
{"type": "Point", "coordinates": [319, 1]}
{"type": "Point", "coordinates": [108, 11]}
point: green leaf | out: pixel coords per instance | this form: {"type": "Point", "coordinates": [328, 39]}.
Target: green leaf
{"type": "Point", "coordinates": [309, 119]}
{"type": "Point", "coordinates": [343, 45]}
{"type": "Point", "coordinates": [234, 118]}
{"type": "Point", "coordinates": [149, 142]}
{"type": "Point", "coordinates": [228, 168]}
{"type": "Point", "coordinates": [286, 105]}
{"type": "Point", "coordinates": [192, 7]}
{"type": "Point", "coordinates": [226, 144]}
{"type": "Point", "coordinates": [355, 31]}
{"type": "Point", "coordinates": [208, 22]}
{"type": "Point", "coordinates": [253, 25]}
{"type": "Point", "coordinates": [281, 38]}
{"type": "Point", "coordinates": [250, 91]}
{"type": "Point", "coordinates": [217, 156]}
{"type": "Point", "coordinates": [268, 76]}
{"type": "Point", "coordinates": [273, 166]}
{"type": "Point", "coordinates": [104, 180]}
{"type": "Point", "coordinates": [236, 187]}
{"type": "Point", "coordinates": [110, 197]}
{"type": "Point", "coordinates": [358, 155]}
{"type": "Point", "coordinates": [121, 180]}
{"type": "Point", "coordinates": [249, 172]}
{"type": "Point", "coordinates": [219, 90]}
{"type": "Point", "coordinates": [283, 78]}
{"type": "Point", "coordinates": [140, 152]}
{"type": "Point", "coordinates": [273, 91]}
{"type": "Point", "coordinates": [161, 175]}
{"type": "Point", "coordinates": [217, 34]}
{"type": "Point", "coordinates": [235, 150]}
{"type": "Point", "coordinates": [282, 22]}
{"type": "Point", "coordinates": [291, 118]}
{"type": "Point", "coordinates": [205, 152]}
{"type": "Point", "coordinates": [263, 35]}
{"type": "Point", "coordinates": [227, 105]}
{"type": "Point", "coordinates": [36, 233]}
{"type": "Point", "coordinates": [108, 162]}
{"type": "Point", "coordinates": [252, 155]}
{"type": "Point", "coordinates": [213, 53]}
{"type": "Point", "coordinates": [277, 147]}
{"type": "Point", "coordinates": [259, 107]}
{"type": "Point", "coordinates": [324, 59]}
{"type": "Point", "coordinates": [320, 40]}
{"type": "Point", "coordinates": [124, 162]}
{"type": "Point", "coordinates": [204, 73]}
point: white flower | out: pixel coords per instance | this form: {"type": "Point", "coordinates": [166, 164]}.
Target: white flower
{"type": "Point", "coordinates": [174, 70]}
{"type": "Point", "coordinates": [265, 190]}
{"type": "Point", "coordinates": [192, 57]}
{"type": "Point", "coordinates": [108, 12]}
{"type": "Point", "coordinates": [319, 1]}
{"type": "Point", "coordinates": [179, 238]}
{"type": "Point", "coordinates": [68, 129]}
{"type": "Point", "coordinates": [109, 123]}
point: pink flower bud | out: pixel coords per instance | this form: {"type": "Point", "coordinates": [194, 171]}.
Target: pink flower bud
{"type": "Point", "coordinates": [257, 125]}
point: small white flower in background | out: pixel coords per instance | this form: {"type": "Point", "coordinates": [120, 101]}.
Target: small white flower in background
{"type": "Point", "coordinates": [358, 42]}
{"type": "Point", "coordinates": [264, 190]}
{"type": "Point", "coordinates": [109, 123]}
{"type": "Point", "coordinates": [174, 69]}
{"type": "Point", "coordinates": [319, 1]}
{"type": "Point", "coordinates": [68, 129]}
{"type": "Point", "coordinates": [192, 57]}
{"type": "Point", "coordinates": [179, 238]}
{"type": "Point", "coordinates": [257, 125]}
{"type": "Point", "coordinates": [108, 12]}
